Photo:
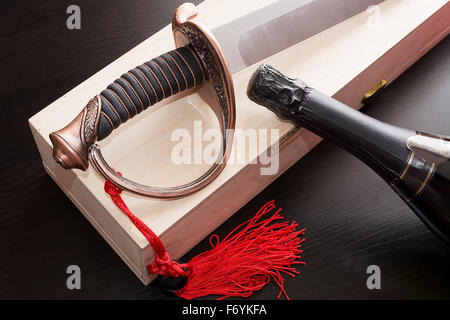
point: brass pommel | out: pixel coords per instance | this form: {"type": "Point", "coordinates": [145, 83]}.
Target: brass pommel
{"type": "Point", "coordinates": [71, 143]}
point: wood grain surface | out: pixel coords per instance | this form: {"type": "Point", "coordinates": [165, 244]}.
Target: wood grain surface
{"type": "Point", "coordinates": [352, 217]}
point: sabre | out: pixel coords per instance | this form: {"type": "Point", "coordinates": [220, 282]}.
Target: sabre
{"type": "Point", "coordinates": [202, 62]}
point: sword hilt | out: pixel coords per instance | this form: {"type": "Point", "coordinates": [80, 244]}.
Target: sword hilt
{"type": "Point", "coordinates": [136, 90]}
{"type": "Point", "coordinates": [197, 62]}
{"type": "Point", "coordinates": [147, 84]}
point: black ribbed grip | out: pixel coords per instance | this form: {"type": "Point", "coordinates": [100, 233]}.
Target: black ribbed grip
{"type": "Point", "coordinates": [147, 84]}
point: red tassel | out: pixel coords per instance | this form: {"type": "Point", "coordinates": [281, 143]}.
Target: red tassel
{"type": "Point", "coordinates": [256, 251]}
{"type": "Point", "coordinates": [247, 258]}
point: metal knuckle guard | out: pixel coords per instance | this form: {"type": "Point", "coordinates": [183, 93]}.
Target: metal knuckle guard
{"type": "Point", "coordinates": [197, 62]}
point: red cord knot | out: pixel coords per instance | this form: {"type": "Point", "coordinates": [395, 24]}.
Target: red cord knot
{"type": "Point", "coordinates": [111, 188]}
{"type": "Point", "coordinates": [168, 267]}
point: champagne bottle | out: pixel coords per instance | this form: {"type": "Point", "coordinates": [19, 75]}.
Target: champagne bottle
{"type": "Point", "coordinates": [415, 164]}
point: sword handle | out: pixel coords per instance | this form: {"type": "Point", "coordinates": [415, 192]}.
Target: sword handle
{"type": "Point", "coordinates": [136, 90]}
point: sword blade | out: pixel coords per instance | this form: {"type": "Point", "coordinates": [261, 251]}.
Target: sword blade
{"type": "Point", "coordinates": [278, 26]}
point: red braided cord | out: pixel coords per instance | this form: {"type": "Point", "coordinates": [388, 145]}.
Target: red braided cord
{"type": "Point", "coordinates": [256, 251]}
{"type": "Point", "coordinates": [162, 264]}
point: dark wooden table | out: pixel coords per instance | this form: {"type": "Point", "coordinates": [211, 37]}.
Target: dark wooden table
{"type": "Point", "coordinates": [353, 218]}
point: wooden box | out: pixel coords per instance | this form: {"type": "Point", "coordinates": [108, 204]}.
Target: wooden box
{"type": "Point", "coordinates": [344, 61]}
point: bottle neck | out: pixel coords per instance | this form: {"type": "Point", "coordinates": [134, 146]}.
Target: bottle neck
{"type": "Point", "coordinates": [380, 145]}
